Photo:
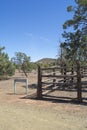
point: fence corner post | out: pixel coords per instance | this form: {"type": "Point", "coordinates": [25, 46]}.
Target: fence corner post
{"type": "Point", "coordinates": [39, 86]}
{"type": "Point", "coordinates": [79, 86]}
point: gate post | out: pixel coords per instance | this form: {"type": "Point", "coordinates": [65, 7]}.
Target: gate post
{"type": "Point", "coordinates": [72, 73]}
{"type": "Point", "coordinates": [79, 86]}
{"type": "Point", "coordinates": [54, 80]}
{"type": "Point", "coordinates": [39, 86]}
{"type": "Point", "coordinates": [64, 72]}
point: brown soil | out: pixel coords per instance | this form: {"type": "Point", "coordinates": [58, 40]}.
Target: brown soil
{"type": "Point", "coordinates": [56, 111]}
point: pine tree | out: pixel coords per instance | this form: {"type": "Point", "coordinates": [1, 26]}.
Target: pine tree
{"type": "Point", "coordinates": [76, 38]}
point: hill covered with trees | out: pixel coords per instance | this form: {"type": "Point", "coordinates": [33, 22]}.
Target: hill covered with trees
{"type": "Point", "coordinates": [46, 62]}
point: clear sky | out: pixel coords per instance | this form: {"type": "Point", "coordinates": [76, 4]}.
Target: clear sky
{"type": "Point", "coordinates": [33, 27]}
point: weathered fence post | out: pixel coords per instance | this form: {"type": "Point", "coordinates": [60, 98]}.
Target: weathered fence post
{"type": "Point", "coordinates": [81, 69]}
{"type": "Point", "coordinates": [61, 68]}
{"type": "Point", "coordinates": [72, 72]}
{"type": "Point", "coordinates": [79, 86]}
{"type": "Point", "coordinates": [39, 86]}
{"type": "Point", "coordinates": [64, 72]}
{"type": "Point", "coordinates": [54, 78]}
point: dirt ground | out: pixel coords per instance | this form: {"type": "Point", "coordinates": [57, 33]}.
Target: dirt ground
{"type": "Point", "coordinates": [22, 112]}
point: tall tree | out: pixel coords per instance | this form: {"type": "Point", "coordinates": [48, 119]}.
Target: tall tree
{"type": "Point", "coordinates": [76, 38]}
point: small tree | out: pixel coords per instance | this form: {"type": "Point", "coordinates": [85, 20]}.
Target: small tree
{"type": "Point", "coordinates": [22, 62]}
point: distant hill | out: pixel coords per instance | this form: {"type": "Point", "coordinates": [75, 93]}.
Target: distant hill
{"type": "Point", "coordinates": [46, 61]}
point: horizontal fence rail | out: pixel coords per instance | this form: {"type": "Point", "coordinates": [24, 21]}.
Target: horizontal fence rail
{"type": "Point", "coordinates": [61, 76]}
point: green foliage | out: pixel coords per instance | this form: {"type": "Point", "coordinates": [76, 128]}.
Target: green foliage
{"type": "Point", "coordinates": [22, 62]}
{"type": "Point", "coordinates": [33, 66]}
{"type": "Point", "coordinates": [82, 2]}
{"type": "Point", "coordinates": [76, 40]}
{"type": "Point", "coordinates": [69, 8]}
{"type": "Point", "coordinates": [6, 66]}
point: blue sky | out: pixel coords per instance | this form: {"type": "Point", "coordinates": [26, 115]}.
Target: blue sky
{"type": "Point", "coordinates": [33, 27]}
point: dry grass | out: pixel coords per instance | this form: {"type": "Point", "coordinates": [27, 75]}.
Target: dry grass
{"type": "Point", "coordinates": [20, 113]}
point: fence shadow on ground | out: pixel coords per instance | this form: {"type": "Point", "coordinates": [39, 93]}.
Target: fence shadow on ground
{"type": "Point", "coordinates": [61, 99]}
{"type": "Point", "coordinates": [56, 99]}
{"type": "Point", "coordinates": [53, 98]}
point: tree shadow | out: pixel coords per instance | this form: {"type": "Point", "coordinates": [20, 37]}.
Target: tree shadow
{"type": "Point", "coordinates": [31, 86]}
{"type": "Point", "coordinates": [16, 93]}
{"type": "Point", "coordinates": [31, 96]}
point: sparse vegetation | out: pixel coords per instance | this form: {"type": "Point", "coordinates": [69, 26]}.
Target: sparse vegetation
{"type": "Point", "coordinates": [7, 68]}
{"type": "Point", "coordinates": [47, 62]}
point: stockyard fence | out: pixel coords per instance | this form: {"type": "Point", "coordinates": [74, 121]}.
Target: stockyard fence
{"type": "Point", "coordinates": [61, 77]}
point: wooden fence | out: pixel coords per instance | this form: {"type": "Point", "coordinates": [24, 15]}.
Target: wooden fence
{"type": "Point", "coordinates": [64, 74]}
